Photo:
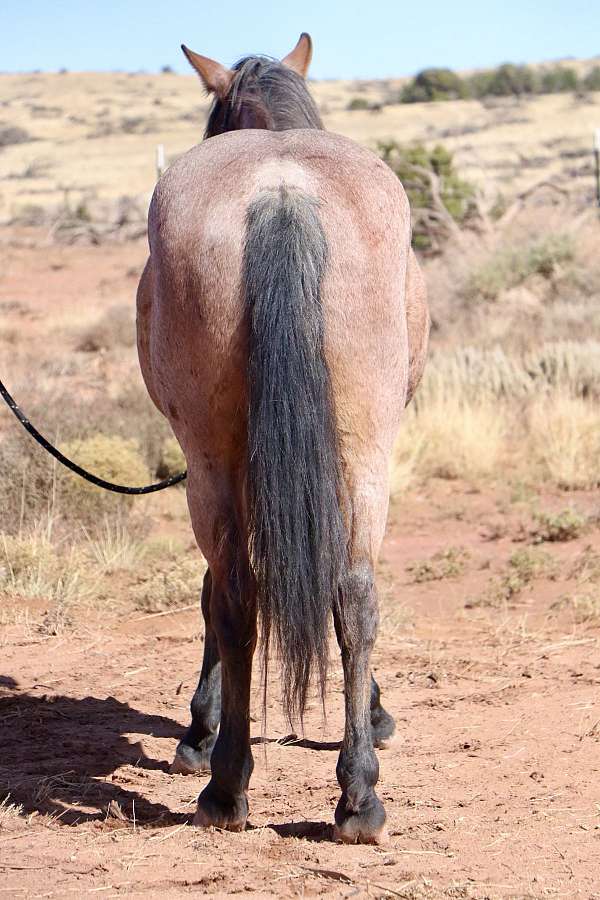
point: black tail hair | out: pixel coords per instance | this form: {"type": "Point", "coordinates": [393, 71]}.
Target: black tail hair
{"type": "Point", "coordinates": [298, 541]}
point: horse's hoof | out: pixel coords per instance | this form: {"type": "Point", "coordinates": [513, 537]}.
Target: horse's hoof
{"type": "Point", "coordinates": [384, 743]}
{"type": "Point", "coordinates": [230, 816]}
{"type": "Point", "coordinates": [189, 761]}
{"type": "Point", "coordinates": [364, 827]}
{"type": "Point", "coordinates": [383, 729]}
{"type": "Point", "coordinates": [348, 836]}
{"type": "Point", "coordinates": [203, 819]}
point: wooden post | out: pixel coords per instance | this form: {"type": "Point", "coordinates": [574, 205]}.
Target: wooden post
{"type": "Point", "coordinates": [160, 160]}
{"type": "Point", "coordinates": [597, 156]}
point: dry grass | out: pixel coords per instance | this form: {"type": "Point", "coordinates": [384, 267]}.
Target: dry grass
{"type": "Point", "coordinates": [10, 811]}
{"type": "Point", "coordinates": [525, 566]}
{"type": "Point", "coordinates": [32, 566]}
{"type": "Point", "coordinates": [114, 328]}
{"type": "Point", "coordinates": [481, 414]}
{"type": "Point", "coordinates": [513, 265]}
{"type": "Point", "coordinates": [170, 579]}
{"type": "Point", "coordinates": [448, 563]}
{"type": "Point", "coordinates": [565, 434]}
{"type": "Point", "coordinates": [450, 438]}
{"type": "Point", "coordinates": [114, 547]}
{"type": "Point", "coordinates": [585, 607]}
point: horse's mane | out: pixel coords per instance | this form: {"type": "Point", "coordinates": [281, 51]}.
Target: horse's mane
{"type": "Point", "coordinates": [271, 95]}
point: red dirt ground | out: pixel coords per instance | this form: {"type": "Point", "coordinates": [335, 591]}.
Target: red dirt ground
{"type": "Point", "coordinates": [492, 788]}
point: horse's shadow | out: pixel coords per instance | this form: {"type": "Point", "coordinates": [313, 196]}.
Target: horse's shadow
{"type": "Point", "coordinates": [57, 754]}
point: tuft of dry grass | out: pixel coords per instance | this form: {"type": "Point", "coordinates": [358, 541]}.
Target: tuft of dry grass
{"type": "Point", "coordinates": [586, 567]}
{"type": "Point", "coordinates": [524, 567]}
{"type": "Point", "coordinates": [9, 811]}
{"type": "Point", "coordinates": [483, 413]}
{"type": "Point", "coordinates": [31, 566]}
{"type": "Point", "coordinates": [585, 607]}
{"type": "Point", "coordinates": [169, 579]}
{"type": "Point", "coordinates": [448, 563]}
{"type": "Point", "coordinates": [565, 437]}
{"type": "Point", "coordinates": [113, 547]}
{"type": "Point", "coordinates": [529, 563]}
{"type": "Point", "coordinates": [451, 438]}
{"type": "Point", "coordinates": [114, 328]}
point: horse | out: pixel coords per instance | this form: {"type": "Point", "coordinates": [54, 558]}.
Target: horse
{"type": "Point", "coordinates": [282, 328]}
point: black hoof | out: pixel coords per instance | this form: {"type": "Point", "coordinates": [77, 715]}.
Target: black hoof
{"type": "Point", "coordinates": [189, 761]}
{"type": "Point", "coordinates": [363, 826]}
{"type": "Point", "coordinates": [220, 812]}
{"type": "Point", "coordinates": [382, 727]}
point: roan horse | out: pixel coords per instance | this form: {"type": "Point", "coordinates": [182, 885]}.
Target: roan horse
{"type": "Point", "coordinates": [282, 328]}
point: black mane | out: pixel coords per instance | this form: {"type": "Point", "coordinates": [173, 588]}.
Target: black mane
{"type": "Point", "coordinates": [264, 94]}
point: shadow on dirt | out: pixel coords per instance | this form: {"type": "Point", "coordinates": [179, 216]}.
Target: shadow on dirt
{"type": "Point", "coordinates": [57, 753]}
{"type": "Point", "coordinates": [316, 832]}
{"type": "Point", "coordinates": [292, 740]}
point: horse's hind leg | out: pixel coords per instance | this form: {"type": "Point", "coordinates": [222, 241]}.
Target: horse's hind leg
{"type": "Point", "coordinates": [382, 724]}
{"type": "Point", "coordinates": [223, 802]}
{"type": "Point", "coordinates": [360, 816]}
{"type": "Point", "coordinates": [195, 748]}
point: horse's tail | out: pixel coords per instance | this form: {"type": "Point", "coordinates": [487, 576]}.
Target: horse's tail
{"type": "Point", "coordinates": [298, 540]}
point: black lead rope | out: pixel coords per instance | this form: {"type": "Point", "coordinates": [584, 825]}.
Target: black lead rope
{"type": "Point", "coordinates": [99, 482]}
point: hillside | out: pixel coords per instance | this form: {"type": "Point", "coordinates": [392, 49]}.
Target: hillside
{"type": "Point", "coordinates": [84, 138]}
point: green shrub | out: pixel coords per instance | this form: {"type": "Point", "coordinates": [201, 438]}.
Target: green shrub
{"type": "Point", "coordinates": [562, 526]}
{"type": "Point", "coordinates": [411, 164]}
{"type": "Point", "coordinates": [530, 563]}
{"type": "Point", "coordinates": [434, 84]}
{"type": "Point", "coordinates": [505, 81]}
{"type": "Point", "coordinates": [558, 79]}
{"type": "Point", "coordinates": [357, 103]}
{"type": "Point", "coordinates": [591, 82]}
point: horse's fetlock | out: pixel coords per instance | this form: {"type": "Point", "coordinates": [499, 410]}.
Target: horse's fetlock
{"type": "Point", "coordinates": [357, 771]}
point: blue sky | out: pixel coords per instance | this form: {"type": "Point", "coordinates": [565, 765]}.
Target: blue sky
{"type": "Point", "coordinates": [352, 39]}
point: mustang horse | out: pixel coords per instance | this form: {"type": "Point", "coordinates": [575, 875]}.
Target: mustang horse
{"type": "Point", "coordinates": [282, 329]}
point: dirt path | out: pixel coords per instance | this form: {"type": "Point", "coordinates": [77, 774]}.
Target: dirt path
{"type": "Point", "coordinates": [492, 788]}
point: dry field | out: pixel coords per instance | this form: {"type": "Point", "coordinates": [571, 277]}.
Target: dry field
{"type": "Point", "coordinates": [488, 653]}
{"type": "Point", "coordinates": [89, 138]}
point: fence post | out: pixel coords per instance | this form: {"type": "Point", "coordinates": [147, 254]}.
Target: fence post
{"type": "Point", "coordinates": [160, 160]}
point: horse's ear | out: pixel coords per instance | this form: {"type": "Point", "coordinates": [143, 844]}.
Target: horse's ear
{"type": "Point", "coordinates": [215, 77]}
{"type": "Point", "coordinates": [300, 57]}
